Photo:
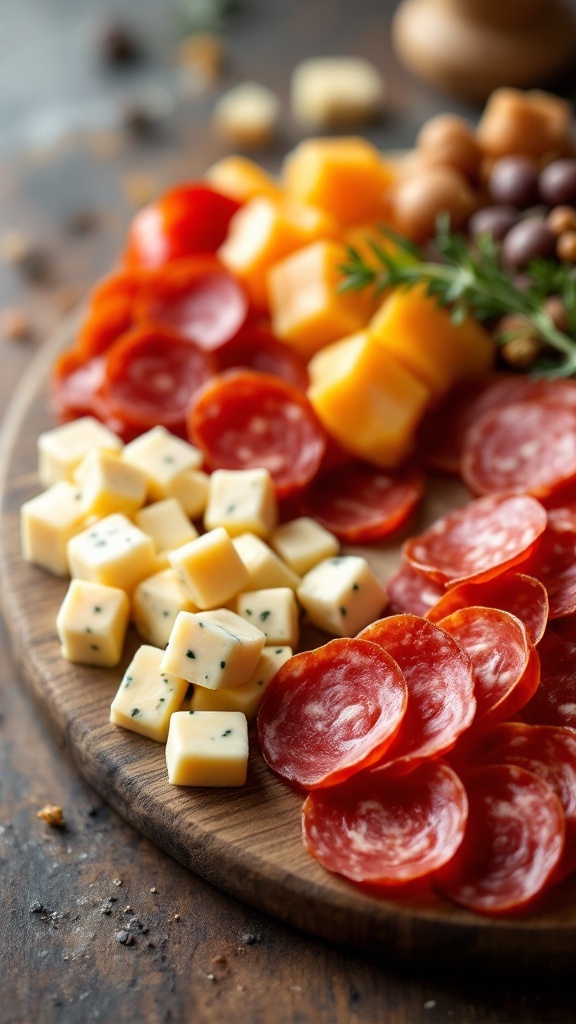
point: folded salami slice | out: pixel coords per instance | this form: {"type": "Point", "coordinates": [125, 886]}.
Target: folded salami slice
{"type": "Point", "coordinates": [554, 564]}
{"type": "Point", "coordinates": [411, 591]}
{"type": "Point", "coordinates": [387, 831]}
{"type": "Point", "coordinates": [513, 841]}
{"type": "Point", "coordinates": [522, 596]}
{"type": "Point", "coordinates": [554, 702]}
{"type": "Point", "coordinates": [330, 712]}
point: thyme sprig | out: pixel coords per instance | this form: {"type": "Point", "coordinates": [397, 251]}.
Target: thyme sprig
{"type": "Point", "coordinates": [470, 279]}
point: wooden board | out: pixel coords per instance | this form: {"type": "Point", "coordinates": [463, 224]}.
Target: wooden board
{"type": "Point", "coordinates": [244, 841]}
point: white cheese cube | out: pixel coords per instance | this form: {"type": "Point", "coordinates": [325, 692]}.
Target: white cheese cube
{"type": "Point", "coordinates": [47, 522]}
{"type": "Point", "coordinates": [147, 696]}
{"type": "Point", "coordinates": [342, 595]}
{"type": "Point", "coordinates": [163, 457]}
{"type": "Point", "coordinates": [242, 501]}
{"type": "Point", "coordinates": [335, 92]}
{"type": "Point", "coordinates": [215, 649]}
{"type": "Point", "coordinates": [113, 552]}
{"type": "Point", "coordinates": [207, 748]}
{"type": "Point", "coordinates": [109, 484]}
{"type": "Point", "coordinates": [92, 623]}
{"type": "Point", "coordinates": [246, 697]}
{"type": "Point", "coordinates": [210, 569]}
{"type": "Point", "coordinates": [62, 449]}
{"type": "Point", "coordinates": [155, 605]}
{"type": "Point", "coordinates": [247, 115]}
{"type": "Point", "coordinates": [264, 567]}
{"type": "Point", "coordinates": [302, 543]}
{"type": "Point", "coordinates": [274, 611]}
{"type": "Point", "coordinates": [167, 523]}
{"type": "Point", "coordinates": [191, 490]}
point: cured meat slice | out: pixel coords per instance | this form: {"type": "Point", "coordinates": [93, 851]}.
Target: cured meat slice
{"type": "Point", "coordinates": [442, 432]}
{"type": "Point", "coordinates": [479, 541]}
{"type": "Point", "coordinates": [438, 673]}
{"type": "Point", "coordinates": [330, 712]}
{"type": "Point", "coordinates": [522, 596]}
{"type": "Point", "coordinates": [524, 448]}
{"type": "Point", "coordinates": [387, 831]}
{"type": "Point", "coordinates": [360, 503]}
{"type": "Point", "coordinates": [513, 841]}
{"type": "Point", "coordinates": [411, 591]}
{"type": "Point", "coordinates": [256, 348]}
{"type": "Point", "coordinates": [554, 564]}
{"type": "Point", "coordinates": [243, 419]}
{"type": "Point", "coordinates": [554, 702]}
{"type": "Point", "coordinates": [504, 662]}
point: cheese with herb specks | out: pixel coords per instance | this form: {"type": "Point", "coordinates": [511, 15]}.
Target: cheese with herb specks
{"type": "Point", "coordinates": [242, 501]}
{"type": "Point", "coordinates": [210, 569]}
{"type": "Point", "coordinates": [207, 748]}
{"type": "Point", "coordinates": [274, 611]}
{"type": "Point", "coordinates": [246, 697]}
{"type": "Point", "coordinates": [264, 567]}
{"type": "Point", "coordinates": [168, 525]}
{"type": "Point", "coordinates": [215, 649]}
{"type": "Point", "coordinates": [147, 696]}
{"type": "Point", "coordinates": [47, 523]}
{"type": "Point", "coordinates": [155, 605]}
{"type": "Point", "coordinates": [92, 623]}
{"type": "Point", "coordinates": [113, 552]}
{"type": "Point", "coordinates": [341, 595]}
{"type": "Point", "coordinates": [163, 458]}
{"type": "Point", "coordinates": [108, 484]}
{"type": "Point", "coordinates": [302, 543]}
{"type": "Point", "coordinates": [62, 449]}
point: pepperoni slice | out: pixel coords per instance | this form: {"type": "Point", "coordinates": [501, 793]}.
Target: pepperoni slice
{"type": "Point", "coordinates": [554, 564]}
{"type": "Point", "coordinates": [479, 541]}
{"type": "Point", "coordinates": [512, 844]}
{"type": "Point", "coordinates": [522, 596]}
{"type": "Point", "coordinates": [359, 502]}
{"type": "Point", "coordinates": [554, 702]}
{"type": "Point", "coordinates": [256, 348]}
{"type": "Point", "coordinates": [330, 712]}
{"type": "Point", "coordinates": [438, 674]}
{"type": "Point", "coordinates": [442, 432]}
{"type": "Point", "coordinates": [411, 591]}
{"type": "Point", "coordinates": [387, 832]}
{"type": "Point", "coordinates": [523, 448]}
{"type": "Point", "coordinates": [504, 662]}
{"type": "Point", "coordinates": [74, 385]}
{"type": "Point", "coordinates": [123, 284]}
{"type": "Point", "coordinates": [244, 419]}
{"type": "Point", "coordinates": [103, 325]}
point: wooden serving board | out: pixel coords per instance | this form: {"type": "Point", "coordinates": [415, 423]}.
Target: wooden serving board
{"type": "Point", "coordinates": [245, 841]}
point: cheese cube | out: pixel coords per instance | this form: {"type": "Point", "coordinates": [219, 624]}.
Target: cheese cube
{"type": "Point", "coordinates": [92, 623]}
{"type": "Point", "coordinates": [109, 484]}
{"type": "Point", "coordinates": [247, 115]}
{"type": "Point", "coordinates": [264, 567]}
{"type": "Point", "coordinates": [62, 449]}
{"type": "Point", "coordinates": [167, 524]}
{"type": "Point", "coordinates": [163, 457]}
{"type": "Point", "coordinates": [215, 649]}
{"type": "Point", "coordinates": [246, 697]}
{"type": "Point", "coordinates": [274, 611]}
{"type": "Point", "coordinates": [241, 501]}
{"type": "Point", "coordinates": [335, 92]}
{"type": "Point", "coordinates": [155, 605]}
{"type": "Point", "coordinates": [47, 522]}
{"type": "Point", "coordinates": [341, 595]}
{"type": "Point", "coordinates": [210, 569]}
{"type": "Point", "coordinates": [190, 488]}
{"type": "Point", "coordinates": [242, 179]}
{"type": "Point", "coordinates": [302, 543]}
{"type": "Point", "coordinates": [207, 748]}
{"type": "Point", "coordinates": [113, 552]}
{"type": "Point", "coordinates": [147, 696]}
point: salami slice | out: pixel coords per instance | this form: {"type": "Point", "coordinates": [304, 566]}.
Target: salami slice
{"type": "Point", "coordinates": [513, 841]}
{"type": "Point", "coordinates": [360, 503]}
{"type": "Point", "coordinates": [524, 448]}
{"type": "Point", "coordinates": [505, 664]}
{"type": "Point", "coordinates": [438, 674]}
{"type": "Point", "coordinates": [387, 831]}
{"type": "Point", "coordinates": [330, 712]}
{"type": "Point", "coordinates": [554, 702]}
{"type": "Point", "coordinates": [481, 540]}
{"type": "Point", "coordinates": [411, 591]}
{"type": "Point", "coordinates": [442, 433]}
{"type": "Point", "coordinates": [554, 564]}
{"type": "Point", "coordinates": [243, 419]}
{"type": "Point", "coordinates": [522, 596]}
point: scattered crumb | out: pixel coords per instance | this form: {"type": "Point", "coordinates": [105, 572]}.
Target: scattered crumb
{"type": "Point", "coordinates": [117, 882]}
{"type": "Point", "coordinates": [52, 814]}
{"type": "Point", "coordinates": [429, 1004]}
{"type": "Point", "coordinates": [248, 939]}
{"type": "Point", "coordinates": [118, 45]}
{"type": "Point", "coordinates": [247, 116]}
{"type": "Point", "coordinates": [211, 977]}
{"type": "Point", "coordinates": [125, 938]}
{"type": "Point", "coordinates": [29, 259]}
{"type": "Point", "coordinates": [176, 917]}
{"type": "Point", "coordinates": [139, 189]}
{"type": "Point", "coordinates": [128, 909]}
{"type": "Point", "coordinates": [14, 324]}
{"type": "Point", "coordinates": [240, 988]}
{"type": "Point", "coordinates": [154, 889]}
{"type": "Point", "coordinates": [202, 53]}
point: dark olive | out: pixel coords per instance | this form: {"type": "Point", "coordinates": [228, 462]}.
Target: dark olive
{"type": "Point", "coordinates": [527, 240]}
{"type": "Point", "coordinates": [514, 180]}
{"type": "Point", "coordinates": [492, 220]}
{"type": "Point", "coordinates": [558, 182]}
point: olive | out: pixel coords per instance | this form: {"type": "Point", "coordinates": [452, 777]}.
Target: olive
{"type": "Point", "coordinates": [495, 221]}
{"type": "Point", "coordinates": [514, 180]}
{"type": "Point", "coordinates": [527, 240]}
{"type": "Point", "coordinates": [558, 182]}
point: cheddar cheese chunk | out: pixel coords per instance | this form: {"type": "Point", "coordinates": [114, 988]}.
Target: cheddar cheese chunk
{"type": "Point", "coordinates": [210, 568]}
{"type": "Point", "coordinates": [92, 622]}
{"type": "Point", "coordinates": [246, 697]}
{"type": "Point", "coordinates": [207, 748]}
{"type": "Point", "coordinates": [342, 595]}
{"type": "Point", "coordinates": [147, 696]}
{"type": "Point", "coordinates": [48, 522]}
{"type": "Point", "coordinates": [216, 649]}
{"type": "Point", "coordinates": [242, 179]}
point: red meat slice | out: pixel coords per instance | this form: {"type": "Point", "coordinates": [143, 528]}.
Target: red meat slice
{"type": "Point", "coordinates": [522, 596]}
{"type": "Point", "coordinates": [554, 702]}
{"type": "Point", "coordinates": [554, 564]}
{"type": "Point", "coordinates": [411, 591]}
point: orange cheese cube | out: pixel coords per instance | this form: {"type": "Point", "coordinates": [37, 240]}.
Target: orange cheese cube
{"type": "Point", "coordinates": [242, 179]}
{"type": "Point", "coordinates": [366, 399]}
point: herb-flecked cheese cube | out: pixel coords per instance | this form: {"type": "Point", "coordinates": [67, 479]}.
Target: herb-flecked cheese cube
{"type": "Point", "coordinates": [61, 450]}
{"type": "Point", "coordinates": [215, 649]}
{"type": "Point", "coordinates": [168, 525]}
{"type": "Point", "coordinates": [274, 611]}
{"type": "Point", "coordinates": [155, 605]}
{"type": "Point", "coordinates": [302, 543]}
{"type": "Point", "coordinates": [242, 501]}
{"type": "Point", "coordinates": [92, 623]}
{"type": "Point", "coordinates": [246, 697]}
{"type": "Point", "coordinates": [47, 522]}
{"type": "Point", "coordinates": [207, 748]}
{"type": "Point", "coordinates": [113, 552]}
{"type": "Point", "coordinates": [191, 490]}
{"type": "Point", "coordinates": [342, 595]}
{"type": "Point", "coordinates": [210, 569]}
{"type": "Point", "coordinates": [109, 484]}
{"type": "Point", "coordinates": [264, 567]}
{"type": "Point", "coordinates": [147, 696]}
{"type": "Point", "coordinates": [163, 457]}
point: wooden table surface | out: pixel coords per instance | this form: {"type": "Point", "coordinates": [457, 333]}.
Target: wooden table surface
{"type": "Point", "coordinates": [197, 955]}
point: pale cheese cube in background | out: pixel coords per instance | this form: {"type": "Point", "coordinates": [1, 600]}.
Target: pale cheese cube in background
{"type": "Point", "coordinates": [336, 92]}
{"type": "Point", "coordinates": [62, 449]}
{"type": "Point", "coordinates": [215, 649]}
{"type": "Point", "coordinates": [246, 697]}
{"type": "Point", "coordinates": [155, 605]}
{"type": "Point", "coordinates": [47, 523]}
{"type": "Point", "coordinates": [113, 552]}
{"type": "Point", "coordinates": [168, 525]}
{"type": "Point", "coordinates": [242, 501]}
{"type": "Point", "coordinates": [247, 115]}
{"type": "Point", "coordinates": [302, 543]}
{"type": "Point", "coordinates": [164, 458]}
{"type": "Point", "coordinates": [342, 595]}
{"type": "Point", "coordinates": [109, 484]}
{"type": "Point", "coordinates": [92, 623]}
{"type": "Point", "coordinates": [274, 611]}
{"type": "Point", "coordinates": [147, 696]}
{"type": "Point", "coordinates": [210, 569]}
{"type": "Point", "coordinates": [190, 488]}
{"type": "Point", "coordinates": [207, 748]}
{"type": "Point", "coordinates": [264, 567]}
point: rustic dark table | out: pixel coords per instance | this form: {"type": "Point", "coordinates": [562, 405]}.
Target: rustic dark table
{"type": "Point", "coordinates": [69, 178]}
